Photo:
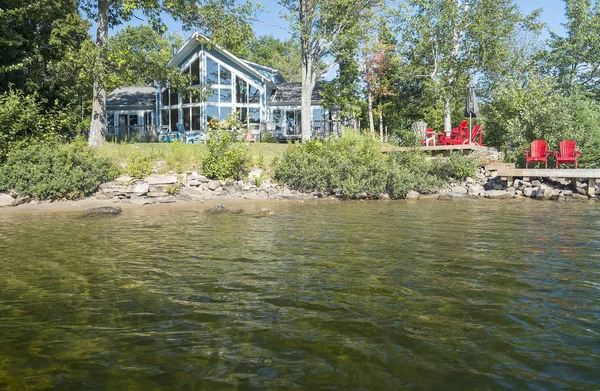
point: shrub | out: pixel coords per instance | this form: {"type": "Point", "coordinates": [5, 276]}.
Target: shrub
{"type": "Point", "coordinates": [49, 170]}
{"type": "Point", "coordinates": [139, 165]}
{"type": "Point", "coordinates": [411, 171]}
{"type": "Point", "coordinates": [455, 166]}
{"type": "Point", "coordinates": [227, 157]}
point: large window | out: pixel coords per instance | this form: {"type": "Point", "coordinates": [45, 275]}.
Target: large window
{"type": "Point", "coordinates": [253, 96]}
{"type": "Point", "coordinates": [186, 118]}
{"type": "Point", "coordinates": [212, 72]}
{"type": "Point", "coordinates": [195, 118]}
{"type": "Point", "coordinates": [241, 93]}
{"type": "Point", "coordinates": [196, 72]}
{"type": "Point", "coordinates": [225, 76]}
{"type": "Point", "coordinates": [164, 117]}
{"type": "Point", "coordinates": [174, 119]}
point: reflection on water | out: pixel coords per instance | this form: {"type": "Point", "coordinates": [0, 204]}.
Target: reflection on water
{"type": "Point", "coordinates": [353, 295]}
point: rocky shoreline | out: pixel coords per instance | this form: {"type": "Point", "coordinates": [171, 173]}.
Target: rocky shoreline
{"type": "Point", "coordinates": [195, 188]}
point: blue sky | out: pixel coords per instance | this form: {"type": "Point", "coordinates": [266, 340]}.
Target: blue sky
{"type": "Point", "coordinates": [552, 15]}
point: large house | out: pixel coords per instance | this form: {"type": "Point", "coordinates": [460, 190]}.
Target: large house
{"type": "Point", "coordinates": [260, 96]}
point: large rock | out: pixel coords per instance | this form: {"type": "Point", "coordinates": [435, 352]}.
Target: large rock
{"type": "Point", "coordinates": [165, 200]}
{"type": "Point", "coordinates": [215, 209]}
{"type": "Point", "coordinates": [156, 179]}
{"type": "Point", "coordinates": [103, 210]}
{"type": "Point", "coordinates": [213, 185]}
{"type": "Point", "coordinates": [6, 200]}
{"type": "Point", "coordinates": [141, 189]}
{"type": "Point", "coordinates": [476, 190]}
{"type": "Point", "coordinates": [459, 189]}
{"type": "Point", "coordinates": [529, 191]}
{"type": "Point", "coordinates": [22, 200]}
{"type": "Point", "coordinates": [191, 195]}
{"type": "Point", "coordinates": [412, 195]}
{"type": "Point", "coordinates": [122, 180]}
{"type": "Point", "coordinates": [497, 194]}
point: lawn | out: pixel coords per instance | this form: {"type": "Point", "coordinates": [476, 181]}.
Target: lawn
{"type": "Point", "coordinates": [183, 157]}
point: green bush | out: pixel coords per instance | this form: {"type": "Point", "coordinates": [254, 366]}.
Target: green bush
{"type": "Point", "coordinates": [456, 166]}
{"type": "Point", "coordinates": [411, 170]}
{"type": "Point", "coordinates": [49, 170]}
{"type": "Point", "coordinates": [139, 165]}
{"type": "Point", "coordinates": [227, 157]}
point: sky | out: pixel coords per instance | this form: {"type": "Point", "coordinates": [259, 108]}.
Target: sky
{"type": "Point", "coordinates": [552, 15]}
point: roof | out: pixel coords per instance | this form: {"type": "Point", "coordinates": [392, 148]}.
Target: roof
{"type": "Point", "coordinates": [132, 96]}
{"type": "Point", "coordinates": [292, 92]}
{"type": "Point", "coordinates": [274, 72]}
{"type": "Point", "coordinates": [191, 44]}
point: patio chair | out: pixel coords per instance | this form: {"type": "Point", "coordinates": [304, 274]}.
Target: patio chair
{"type": "Point", "coordinates": [538, 152]}
{"type": "Point", "coordinates": [568, 153]}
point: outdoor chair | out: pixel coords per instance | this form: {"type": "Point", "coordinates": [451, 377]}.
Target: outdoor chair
{"type": "Point", "coordinates": [477, 133]}
{"type": "Point", "coordinates": [458, 135]}
{"type": "Point", "coordinates": [539, 152]}
{"type": "Point", "coordinates": [568, 153]}
{"type": "Point", "coordinates": [430, 137]}
{"type": "Point", "coordinates": [249, 137]}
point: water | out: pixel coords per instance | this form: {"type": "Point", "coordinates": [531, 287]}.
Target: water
{"type": "Point", "coordinates": [340, 296]}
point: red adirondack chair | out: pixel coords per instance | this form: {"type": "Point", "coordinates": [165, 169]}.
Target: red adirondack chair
{"type": "Point", "coordinates": [430, 137]}
{"type": "Point", "coordinates": [539, 153]}
{"type": "Point", "coordinates": [568, 153]}
{"type": "Point", "coordinates": [458, 135]}
{"type": "Point", "coordinates": [477, 133]}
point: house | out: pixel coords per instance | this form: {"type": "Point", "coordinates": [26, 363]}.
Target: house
{"type": "Point", "coordinates": [260, 96]}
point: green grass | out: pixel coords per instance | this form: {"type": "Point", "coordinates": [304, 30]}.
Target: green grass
{"type": "Point", "coordinates": [181, 157]}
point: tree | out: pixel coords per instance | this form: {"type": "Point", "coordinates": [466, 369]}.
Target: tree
{"type": "Point", "coordinates": [445, 42]}
{"type": "Point", "coordinates": [575, 58]}
{"type": "Point", "coordinates": [223, 18]}
{"type": "Point", "coordinates": [283, 55]}
{"type": "Point", "coordinates": [322, 27]}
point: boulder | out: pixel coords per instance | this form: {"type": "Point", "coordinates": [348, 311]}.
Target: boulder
{"type": "Point", "coordinates": [476, 190]}
{"type": "Point", "coordinates": [122, 180]}
{"type": "Point", "coordinates": [459, 189]}
{"type": "Point", "coordinates": [536, 183]}
{"type": "Point", "coordinates": [215, 209]}
{"type": "Point", "coordinates": [140, 201]}
{"type": "Point", "coordinates": [115, 199]}
{"type": "Point", "coordinates": [7, 200]}
{"type": "Point", "coordinates": [529, 192]}
{"type": "Point", "coordinates": [165, 200]}
{"type": "Point", "coordinates": [469, 180]}
{"type": "Point", "coordinates": [412, 195]}
{"type": "Point", "coordinates": [103, 210]}
{"type": "Point", "coordinates": [22, 200]}
{"type": "Point", "coordinates": [191, 195]}
{"type": "Point", "coordinates": [213, 185]}
{"type": "Point", "coordinates": [141, 189]}
{"type": "Point", "coordinates": [156, 179]}
{"type": "Point", "coordinates": [497, 194]}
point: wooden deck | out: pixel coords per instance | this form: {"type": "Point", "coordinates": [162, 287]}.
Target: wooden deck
{"type": "Point", "coordinates": [590, 174]}
{"type": "Point", "coordinates": [434, 148]}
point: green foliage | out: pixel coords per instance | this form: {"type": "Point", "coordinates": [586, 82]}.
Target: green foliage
{"type": "Point", "coordinates": [52, 171]}
{"type": "Point", "coordinates": [139, 165]}
{"type": "Point", "coordinates": [172, 190]}
{"type": "Point", "coordinates": [283, 55]}
{"type": "Point", "coordinates": [455, 166]}
{"type": "Point", "coordinates": [410, 171]}
{"type": "Point", "coordinates": [227, 157]}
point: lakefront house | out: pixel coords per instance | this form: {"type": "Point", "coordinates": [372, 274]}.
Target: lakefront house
{"type": "Point", "coordinates": [260, 96]}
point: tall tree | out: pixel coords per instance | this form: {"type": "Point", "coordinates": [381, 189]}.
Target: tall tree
{"type": "Point", "coordinates": [447, 42]}
{"type": "Point", "coordinates": [283, 55]}
{"type": "Point", "coordinates": [223, 18]}
{"type": "Point", "coordinates": [322, 27]}
{"type": "Point", "coordinates": [576, 57]}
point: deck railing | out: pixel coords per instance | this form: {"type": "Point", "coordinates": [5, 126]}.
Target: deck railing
{"type": "Point", "coordinates": [129, 132]}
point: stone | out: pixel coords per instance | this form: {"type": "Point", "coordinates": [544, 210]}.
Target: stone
{"type": "Point", "coordinates": [202, 179]}
{"type": "Point", "coordinates": [580, 197]}
{"type": "Point", "coordinates": [103, 210]}
{"type": "Point", "coordinates": [385, 196]}
{"type": "Point", "coordinates": [165, 200]}
{"type": "Point", "coordinates": [215, 209]}
{"type": "Point", "coordinates": [412, 195]}
{"type": "Point", "coordinates": [460, 196]}
{"type": "Point", "coordinates": [567, 193]}
{"type": "Point", "coordinates": [156, 179]}
{"type": "Point", "coordinates": [476, 190]}
{"type": "Point", "coordinates": [122, 180]}
{"type": "Point", "coordinates": [140, 201]}
{"type": "Point", "coordinates": [498, 194]}
{"type": "Point", "coordinates": [213, 185]}
{"type": "Point", "coordinates": [469, 180]}
{"type": "Point", "coordinates": [459, 189]}
{"type": "Point", "coordinates": [192, 195]}
{"type": "Point", "coordinates": [157, 194]}
{"type": "Point", "coordinates": [22, 200]}
{"type": "Point", "coordinates": [525, 183]}
{"type": "Point", "coordinates": [554, 194]}
{"type": "Point", "coordinates": [445, 197]}
{"type": "Point", "coordinates": [536, 183]}
{"type": "Point", "coordinates": [264, 212]}
{"type": "Point", "coordinates": [193, 182]}
{"type": "Point", "coordinates": [141, 189]}
{"type": "Point", "coordinates": [529, 192]}
{"type": "Point", "coordinates": [115, 199]}
{"type": "Point", "coordinates": [7, 200]}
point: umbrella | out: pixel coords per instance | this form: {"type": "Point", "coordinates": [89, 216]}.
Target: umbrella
{"type": "Point", "coordinates": [471, 108]}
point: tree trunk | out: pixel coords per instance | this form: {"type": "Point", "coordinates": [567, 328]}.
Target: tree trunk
{"type": "Point", "coordinates": [371, 122]}
{"type": "Point", "coordinates": [98, 126]}
{"type": "Point", "coordinates": [447, 118]}
{"type": "Point", "coordinates": [308, 84]}
{"type": "Point", "coordinates": [308, 73]}
{"type": "Point", "coordinates": [381, 125]}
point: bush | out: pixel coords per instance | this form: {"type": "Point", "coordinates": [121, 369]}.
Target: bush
{"type": "Point", "coordinates": [411, 171]}
{"type": "Point", "coordinates": [139, 165]}
{"type": "Point", "coordinates": [227, 157]}
{"type": "Point", "coordinates": [456, 166]}
{"type": "Point", "coordinates": [49, 170]}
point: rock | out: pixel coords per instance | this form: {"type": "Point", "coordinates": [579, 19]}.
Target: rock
{"type": "Point", "coordinates": [213, 185]}
{"type": "Point", "coordinates": [580, 197]}
{"type": "Point", "coordinates": [412, 195]}
{"type": "Point", "coordinates": [215, 209]}
{"type": "Point", "coordinates": [476, 190]}
{"type": "Point", "coordinates": [158, 188]}
{"type": "Point", "coordinates": [554, 194]}
{"type": "Point", "coordinates": [165, 200]}
{"type": "Point", "coordinates": [469, 180]}
{"type": "Point", "coordinates": [264, 212]}
{"type": "Point", "coordinates": [358, 196]}
{"type": "Point", "coordinates": [156, 179]}
{"type": "Point", "coordinates": [385, 196]}
{"type": "Point", "coordinates": [497, 186]}
{"type": "Point", "coordinates": [141, 201]}
{"type": "Point", "coordinates": [193, 182]}
{"type": "Point", "coordinates": [202, 178]}
{"type": "Point", "coordinates": [536, 183]}
{"type": "Point", "coordinates": [22, 200]}
{"type": "Point", "coordinates": [192, 195]}
{"type": "Point", "coordinates": [122, 180]}
{"type": "Point", "coordinates": [460, 196]}
{"type": "Point", "coordinates": [567, 193]}
{"type": "Point", "coordinates": [445, 197]}
{"type": "Point", "coordinates": [141, 189]}
{"type": "Point", "coordinates": [103, 210]}
{"type": "Point", "coordinates": [459, 189]}
{"type": "Point", "coordinates": [526, 184]}
{"type": "Point", "coordinates": [498, 194]}
{"type": "Point", "coordinates": [544, 192]}
{"type": "Point", "coordinates": [115, 199]}
{"type": "Point", "coordinates": [7, 200]}
{"type": "Point", "coordinates": [529, 192]}
{"type": "Point", "coordinates": [157, 194]}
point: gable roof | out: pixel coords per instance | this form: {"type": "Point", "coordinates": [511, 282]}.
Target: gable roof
{"type": "Point", "coordinates": [292, 92]}
{"type": "Point", "coordinates": [191, 44]}
{"type": "Point", "coordinates": [259, 67]}
{"type": "Point", "coordinates": [132, 96]}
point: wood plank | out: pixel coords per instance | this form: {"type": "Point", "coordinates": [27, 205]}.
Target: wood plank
{"type": "Point", "coordinates": [499, 166]}
{"type": "Point", "coordinates": [554, 173]}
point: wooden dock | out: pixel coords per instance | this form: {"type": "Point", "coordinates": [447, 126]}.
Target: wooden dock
{"type": "Point", "coordinates": [442, 148]}
{"type": "Point", "coordinates": [584, 173]}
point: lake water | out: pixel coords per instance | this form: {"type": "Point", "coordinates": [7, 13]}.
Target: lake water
{"type": "Point", "coordinates": [341, 296]}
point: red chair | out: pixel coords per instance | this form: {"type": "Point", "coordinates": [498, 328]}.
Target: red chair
{"type": "Point", "coordinates": [539, 153]}
{"type": "Point", "coordinates": [458, 135]}
{"type": "Point", "coordinates": [568, 153]}
{"type": "Point", "coordinates": [476, 132]}
{"type": "Point", "coordinates": [430, 136]}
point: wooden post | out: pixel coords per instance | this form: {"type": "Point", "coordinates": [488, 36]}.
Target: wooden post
{"type": "Point", "coordinates": [574, 182]}
{"type": "Point", "coordinates": [591, 187]}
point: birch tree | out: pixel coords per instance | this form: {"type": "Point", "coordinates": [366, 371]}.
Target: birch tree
{"type": "Point", "coordinates": [447, 42]}
{"type": "Point", "coordinates": [222, 19]}
{"type": "Point", "coordinates": [322, 27]}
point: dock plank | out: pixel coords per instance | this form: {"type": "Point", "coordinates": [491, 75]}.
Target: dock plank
{"type": "Point", "coordinates": [550, 173]}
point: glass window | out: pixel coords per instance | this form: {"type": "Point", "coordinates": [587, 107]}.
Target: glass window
{"type": "Point", "coordinates": [185, 98]}
{"type": "Point", "coordinates": [254, 95]}
{"type": "Point", "coordinates": [133, 120]}
{"type": "Point", "coordinates": [174, 119]}
{"type": "Point", "coordinates": [212, 72]}
{"type": "Point", "coordinates": [195, 118]}
{"type": "Point", "coordinates": [317, 114]}
{"type": "Point", "coordinates": [212, 112]}
{"type": "Point", "coordinates": [215, 96]}
{"type": "Point", "coordinates": [196, 97]}
{"type": "Point", "coordinates": [165, 97]}
{"type": "Point", "coordinates": [225, 95]}
{"type": "Point", "coordinates": [241, 93]}
{"type": "Point", "coordinates": [225, 112]}
{"type": "Point", "coordinates": [196, 72]}
{"type": "Point", "coordinates": [186, 118]}
{"type": "Point", "coordinates": [174, 98]}
{"type": "Point", "coordinates": [147, 118]}
{"type": "Point", "coordinates": [254, 116]}
{"type": "Point", "coordinates": [110, 119]}
{"type": "Point", "coordinates": [225, 76]}
{"type": "Point", "coordinates": [164, 115]}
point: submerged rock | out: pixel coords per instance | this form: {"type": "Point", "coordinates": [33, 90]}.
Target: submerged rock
{"type": "Point", "coordinates": [103, 210]}
{"type": "Point", "coordinates": [219, 208]}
